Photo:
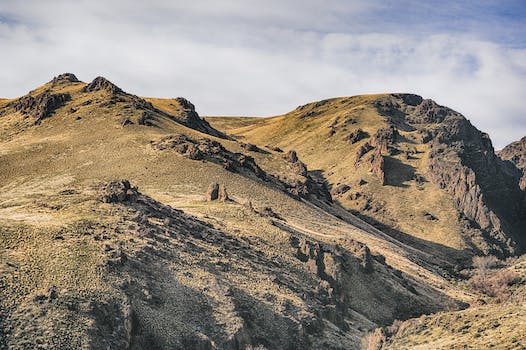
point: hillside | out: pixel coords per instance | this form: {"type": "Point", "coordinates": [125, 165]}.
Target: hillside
{"type": "Point", "coordinates": [133, 223]}
{"type": "Point", "coordinates": [417, 170]}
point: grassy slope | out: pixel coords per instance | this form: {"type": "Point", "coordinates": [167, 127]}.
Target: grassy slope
{"type": "Point", "coordinates": [64, 152]}
{"type": "Point", "coordinates": [402, 205]}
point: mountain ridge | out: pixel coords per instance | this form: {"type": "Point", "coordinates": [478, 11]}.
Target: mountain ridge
{"type": "Point", "coordinates": [113, 185]}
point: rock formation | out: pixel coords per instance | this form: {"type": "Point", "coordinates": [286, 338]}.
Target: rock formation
{"type": "Point", "coordinates": [212, 193]}
{"type": "Point", "coordinates": [102, 84]}
{"type": "Point", "coordinates": [40, 106]}
{"type": "Point", "coordinates": [516, 154]}
{"type": "Point", "coordinates": [119, 191]}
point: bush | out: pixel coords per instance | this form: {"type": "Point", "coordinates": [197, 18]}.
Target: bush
{"type": "Point", "coordinates": [495, 285]}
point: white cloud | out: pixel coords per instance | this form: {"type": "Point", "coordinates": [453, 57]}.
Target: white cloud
{"type": "Point", "coordinates": [245, 58]}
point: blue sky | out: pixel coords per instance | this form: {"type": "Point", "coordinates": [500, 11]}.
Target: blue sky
{"type": "Point", "coordinates": [248, 57]}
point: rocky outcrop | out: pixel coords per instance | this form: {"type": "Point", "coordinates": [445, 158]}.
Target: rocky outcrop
{"type": "Point", "coordinates": [65, 78]}
{"type": "Point", "coordinates": [462, 161]}
{"type": "Point", "coordinates": [119, 191]}
{"type": "Point", "coordinates": [385, 138]}
{"type": "Point", "coordinates": [191, 118]}
{"type": "Point", "coordinates": [377, 165]}
{"type": "Point", "coordinates": [216, 192]}
{"type": "Point", "coordinates": [356, 135]}
{"type": "Point", "coordinates": [40, 106]}
{"type": "Point", "coordinates": [102, 84]}
{"type": "Point", "coordinates": [209, 150]}
{"type": "Point", "coordinates": [302, 184]}
{"type": "Point", "coordinates": [340, 190]}
{"type": "Point", "coordinates": [212, 193]}
{"type": "Point", "coordinates": [515, 153]}
{"type": "Point", "coordinates": [362, 150]}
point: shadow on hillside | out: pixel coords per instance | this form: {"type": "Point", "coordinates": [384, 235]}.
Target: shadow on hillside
{"type": "Point", "coordinates": [448, 258]}
{"type": "Point", "coordinates": [397, 172]}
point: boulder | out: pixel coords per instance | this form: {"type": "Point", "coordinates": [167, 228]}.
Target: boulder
{"type": "Point", "coordinates": [119, 191]}
{"type": "Point", "coordinates": [340, 190]}
{"type": "Point", "coordinates": [212, 193]}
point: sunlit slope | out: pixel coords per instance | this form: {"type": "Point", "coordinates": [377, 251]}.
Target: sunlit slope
{"type": "Point", "coordinates": [270, 267]}
{"type": "Point", "coordinates": [341, 138]}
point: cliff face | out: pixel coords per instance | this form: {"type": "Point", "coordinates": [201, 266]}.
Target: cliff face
{"type": "Point", "coordinates": [515, 153]}
{"type": "Point", "coordinates": [463, 162]}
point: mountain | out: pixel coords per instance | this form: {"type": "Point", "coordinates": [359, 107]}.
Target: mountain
{"type": "Point", "coordinates": [417, 170]}
{"type": "Point", "coordinates": [133, 223]}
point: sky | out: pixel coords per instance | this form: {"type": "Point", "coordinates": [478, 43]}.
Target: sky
{"type": "Point", "coordinates": [265, 57]}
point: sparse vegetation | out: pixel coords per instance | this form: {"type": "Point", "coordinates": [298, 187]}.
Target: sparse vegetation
{"type": "Point", "coordinates": [90, 261]}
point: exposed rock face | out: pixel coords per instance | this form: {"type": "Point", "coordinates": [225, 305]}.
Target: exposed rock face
{"type": "Point", "coordinates": [209, 150]}
{"type": "Point", "coordinates": [291, 156]}
{"type": "Point", "coordinates": [378, 165]}
{"type": "Point", "coordinates": [303, 184]}
{"type": "Point", "coordinates": [40, 106]}
{"type": "Point", "coordinates": [462, 161]}
{"type": "Point", "coordinates": [119, 191]}
{"type": "Point", "coordinates": [515, 152]}
{"type": "Point", "coordinates": [102, 84]}
{"type": "Point", "coordinates": [190, 118]}
{"type": "Point", "coordinates": [365, 148]}
{"type": "Point", "coordinates": [64, 79]}
{"type": "Point", "coordinates": [385, 138]}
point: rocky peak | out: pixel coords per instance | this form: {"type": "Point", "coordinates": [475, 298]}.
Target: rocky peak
{"type": "Point", "coordinates": [191, 118]}
{"type": "Point", "coordinates": [64, 79]}
{"type": "Point", "coordinates": [101, 83]}
{"type": "Point", "coordinates": [185, 104]}
{"type": "Point", "coordinates": [515, 153]}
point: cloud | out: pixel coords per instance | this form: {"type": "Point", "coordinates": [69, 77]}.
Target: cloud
{"type": "Point", "coordinates": [252, 57]}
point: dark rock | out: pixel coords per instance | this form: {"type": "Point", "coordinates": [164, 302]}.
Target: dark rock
{"type": "Point", "coordinates": [291, 156]}
{"type": "Point", "coordinates": [250, 147]}
{"type": "Point", "coordinates": [340, 190]}
{"type": "Point", "coordinates": [125, 121]}
{"type": "Point", "coordinates": [119, 191]}
{"type": "Point", "coordinates": [275, 149]}
{"type": "Point", "coordinates": [64, 79]}
{"type": "Point", "coordinates": [41, 106]}
{"type": "Point", "coordinates": [145, 119]}
{"type": "Point", "coordinates": [515, 153]}
{"type": "Point", "coordinates": [356, 135]}
{"type": "Point", "coordinates": [52, 293]}
{"type": "Point", "coordinates": [430, 216]}
{"type": "Point", "coordinates": [486, 190]}
{"type": "Point", "coordinates": [102, 84]}
{"type": "Point", "coordinates": [212, 193]}
{"type": "Point", "coordinates": [429, 112]}
{"type": "Point", "coordinates": [190, 118]}
{"type": "Point", "coordinates": [362, 150]}
{"type": "Point", "coordinates": [385, 138]}
{"type": "Point", "coordinates": [409, 99]}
